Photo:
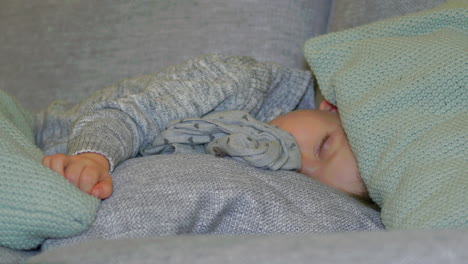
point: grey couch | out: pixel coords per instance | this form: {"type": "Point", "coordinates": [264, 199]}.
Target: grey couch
{"type": "Point", "coordinates": [67, 49]}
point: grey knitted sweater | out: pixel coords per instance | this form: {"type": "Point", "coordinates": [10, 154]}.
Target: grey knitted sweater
{"type": "Point", "coordinates": [126, 119]}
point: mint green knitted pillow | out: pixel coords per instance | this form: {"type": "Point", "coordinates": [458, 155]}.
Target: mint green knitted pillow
{"type": "Point", "coordinates": [35, 202]}
{"type": "Point", "coordinates": [401, 89]}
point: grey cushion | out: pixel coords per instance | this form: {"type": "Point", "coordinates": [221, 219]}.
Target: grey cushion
{"type": "Point", "coordinates": [203, 194]}
{"type": "Point", "coordinates": [351, 13]}
{"type": "Point", "coordinates": [428, 247]}
{"type": "Point", "coordinates": [67, 49]}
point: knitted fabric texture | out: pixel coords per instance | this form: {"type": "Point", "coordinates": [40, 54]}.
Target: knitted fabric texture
{"type": "Point", "coordinates": [401, 88]}
{"type": "Point", "coordinates": [127, 119]}
{"type": "Point", "coordinates": [234, 134]}
{"type": "Point", "coordinates": [35, 202]}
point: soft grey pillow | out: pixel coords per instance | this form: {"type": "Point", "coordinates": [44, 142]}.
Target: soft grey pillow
{"type": "Point", "coordinates": [202, 194]}
{"type": "Point", "coordinates": [67, 49]}
{"type": "Point", "coordinates": [351, 13]}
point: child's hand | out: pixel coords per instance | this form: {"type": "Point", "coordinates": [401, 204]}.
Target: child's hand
{"type": "Point", "coordinates": [87, 171]}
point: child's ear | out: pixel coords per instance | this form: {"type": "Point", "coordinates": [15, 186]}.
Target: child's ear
{"type": "Point", "coordinates": [327, 106]}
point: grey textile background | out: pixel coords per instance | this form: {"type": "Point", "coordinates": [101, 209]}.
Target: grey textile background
{"type": "Point", "coordinates": [67, 49]}
{"type": "Point", "coordinates": [351, 13]}
{"type": "Point", "coordinates": [408, 247]}
{"type": "Point", "coordinates": [203, 194]}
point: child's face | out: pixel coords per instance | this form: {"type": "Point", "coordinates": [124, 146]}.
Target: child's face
{"type": "Point", "coordinates": [326, 153]}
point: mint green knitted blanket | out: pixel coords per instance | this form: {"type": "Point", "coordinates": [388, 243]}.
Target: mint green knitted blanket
{"type": "Point", "coordinates": [35, 202]}
{"type": "Point", "coordinates": [401, 88]}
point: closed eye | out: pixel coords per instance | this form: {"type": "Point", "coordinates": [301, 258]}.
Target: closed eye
{"type": "Point", "coordinates": [322, 143]}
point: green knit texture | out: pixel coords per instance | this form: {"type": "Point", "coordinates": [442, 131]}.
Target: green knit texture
{"type": "Point", "coordinates": [35, 202]}
{"type": "Point", "coordinates": [401, 89]}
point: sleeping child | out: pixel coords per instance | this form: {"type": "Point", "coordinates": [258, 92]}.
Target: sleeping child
{"type": "Point", "coordinates": [323, 153]}
{"type": "Point", "coordinates": [400, 86]}
{"type": "Point", "coordinates": [137, 117]}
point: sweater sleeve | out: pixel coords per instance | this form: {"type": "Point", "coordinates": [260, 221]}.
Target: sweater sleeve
{"type": "Point", "coordinates": [127, 121]}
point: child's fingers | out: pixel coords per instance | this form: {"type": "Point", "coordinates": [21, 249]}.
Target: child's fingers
{"type": "Point", "coordinates": [57, 163]}
{"type": "Point", "coordinates": [88, 178]}
{"type": "Point", "coordinates": [83, 172]}
{"type": "Point", "coordinates": [103, 189]}
{"type": "Point", "coordinates": [46, 161]}
{"type": "Point", "coordinates": [73, 172]}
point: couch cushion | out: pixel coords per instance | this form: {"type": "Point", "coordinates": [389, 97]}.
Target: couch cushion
{"type": "Point", "coordinates": [35, 202]}
{"type": "Point", "coordinates": [401, 88]}
{"type": "Point", "coordinates": [352, 13]}
{"type": "Point", "coordinates": [67, 49]}
{"type": "Point", "coordinates": [201, 194]}
{"type": "Point", "coordinates": [416, 247]}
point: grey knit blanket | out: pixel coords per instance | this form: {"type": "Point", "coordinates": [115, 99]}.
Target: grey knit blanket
{"type": "Point", "coordinates": [127, 119]}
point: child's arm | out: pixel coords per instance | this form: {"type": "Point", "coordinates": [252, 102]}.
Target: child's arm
{"type": "Point", "coordinates": [128, 119]}
{"type": "Point", "coordinates": [131, 122]}
{"type": "Point", "coordinates": [87, 171]}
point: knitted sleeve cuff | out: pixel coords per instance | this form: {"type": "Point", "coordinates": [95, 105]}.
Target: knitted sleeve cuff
{"type": "Point", "coordinates": [115, 138]}
{"type": "Point", "coordinates": [85, 142]}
